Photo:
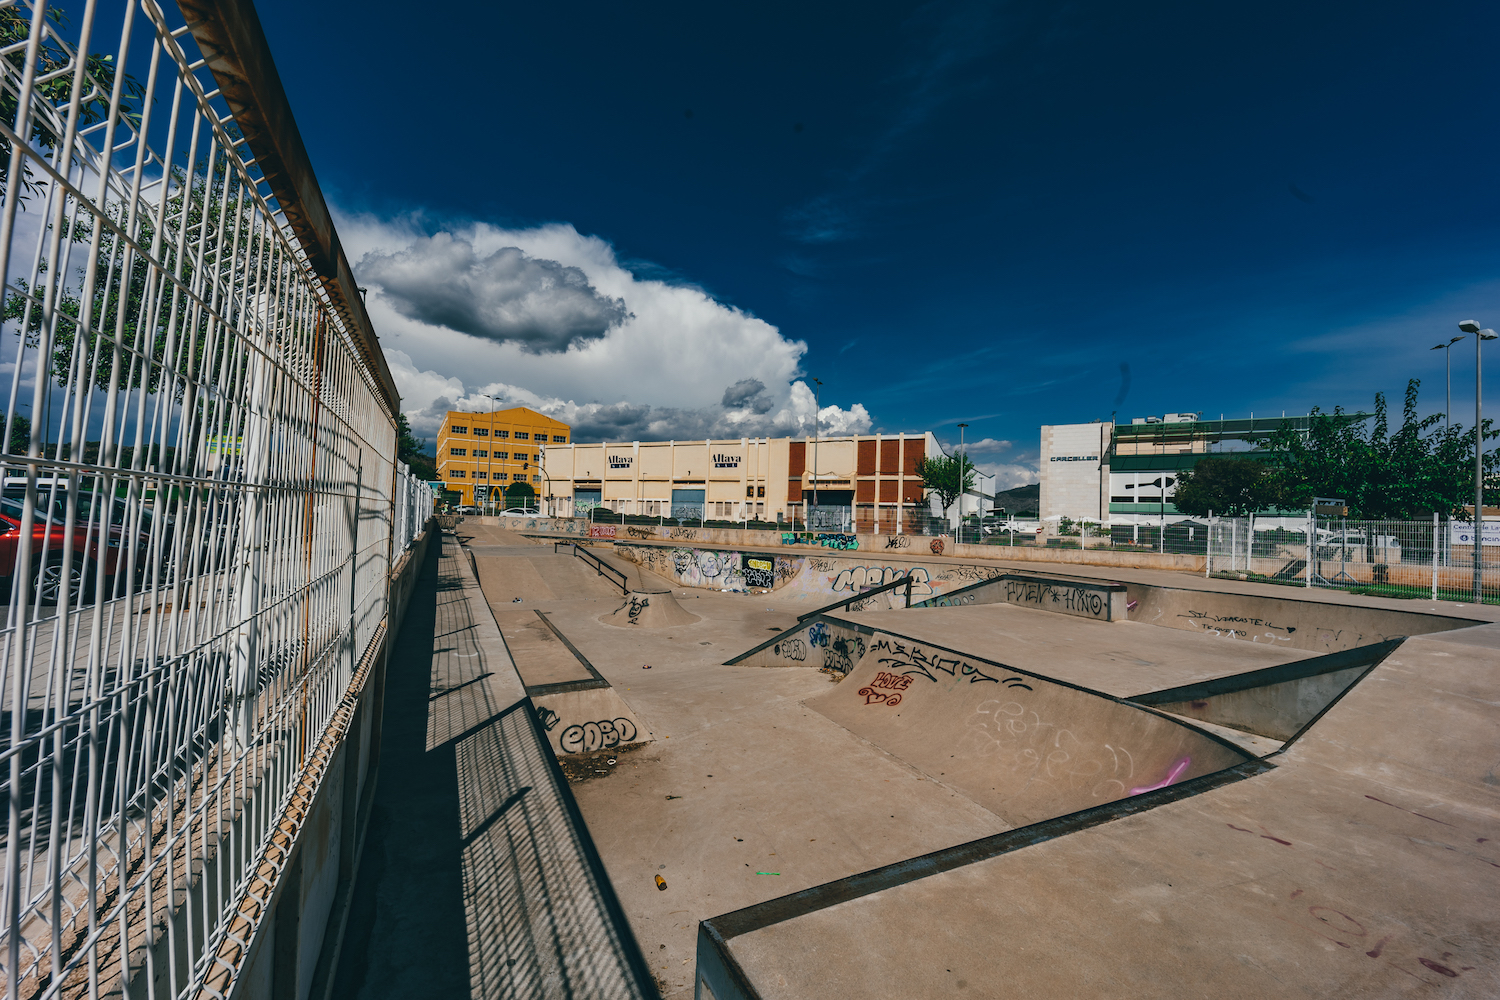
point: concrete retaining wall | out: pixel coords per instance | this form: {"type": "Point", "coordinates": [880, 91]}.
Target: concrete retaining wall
{"type": "Point", "coordinates": [295, 950]}
{"type": "Point", "coordinates": [912, 546]}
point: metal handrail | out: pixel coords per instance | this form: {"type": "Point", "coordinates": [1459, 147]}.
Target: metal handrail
{"type": "Point", "coordinates": [600, 566]}
{"type": "Point", "coordinates": [904, 581]}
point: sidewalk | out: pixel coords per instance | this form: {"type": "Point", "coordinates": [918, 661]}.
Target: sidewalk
{"type": "Point", "coordinates": [479, 878]}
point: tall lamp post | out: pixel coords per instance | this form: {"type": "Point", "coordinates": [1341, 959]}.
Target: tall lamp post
{"type": "Point", "coordinates": [1448, 356]}
{"type": "Point", "coordinates": [1472, 326]}
{"type": "Point", "coordinates": [817, 405]}
{"type": "Point", "coordinates": [962, 455]}
{"type": "Point", "coordinates": [489, 472]}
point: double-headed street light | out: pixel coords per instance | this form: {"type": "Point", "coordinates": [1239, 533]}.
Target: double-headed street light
{"type": "Point", "coordinates": [962, 454]}
{"type": "Point", "coordinates": [1448, 356]}
{"type": "Point", "coordinates": [1480, 335]}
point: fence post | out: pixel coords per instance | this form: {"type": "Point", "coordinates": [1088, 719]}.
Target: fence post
{"type": "Point", "coordinates": [1434, 553]}
{"type": "Point", "coordinates": [1312, 533]}
{"type": "Point", "coordinates": [1208, 552]}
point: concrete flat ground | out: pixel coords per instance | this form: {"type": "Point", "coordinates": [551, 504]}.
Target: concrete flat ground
{"type": "Point", "coordinates": [1356, 866]}
{"type": "Point", "coordinates": [1363, 865]}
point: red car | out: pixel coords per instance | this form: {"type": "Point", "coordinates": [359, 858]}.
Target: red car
{"type": "Point", "coordinates": [47, 538]}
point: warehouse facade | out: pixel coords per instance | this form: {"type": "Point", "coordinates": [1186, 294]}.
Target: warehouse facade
{"type": "Point", "coordinates": [873, 478]}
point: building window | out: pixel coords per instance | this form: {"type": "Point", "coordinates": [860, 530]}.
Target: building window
{"type": "Point", "coordinates": [458, 451]}
{"type": "Point", "coordinates": [502, 454]}
{"type": "Point", "coordinates": [481, 453]}
{"type": "Point", "coordinates": [479, 474]}
{"type": "Point", "coordinates": [456, 474]}
{"type": "Point", "coordinates": [536, 479]}
{"type": "Point", "coordinates": [502, 476]}
{"type": "Point", "coordinates": [559, 439]}
{"type": "Point", "coordinates": [760, 491]}
{"type": "Point", "coordinates": [481, 432]}
{"type": "Point", "coordinates": [460, 430]}
{"type": "Point", "coordinates": [502, 434]}
{"type": "Point", "coordinates": [522, 436]}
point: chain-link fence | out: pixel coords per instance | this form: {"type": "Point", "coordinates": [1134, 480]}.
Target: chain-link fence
{"type": "Point", "coordinates": [199, 500]}
{"type": "Point", "coordinates": [1434, 559]}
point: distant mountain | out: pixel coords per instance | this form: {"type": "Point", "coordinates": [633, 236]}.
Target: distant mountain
{"type": "Point", "coordinates": [1020, 501]}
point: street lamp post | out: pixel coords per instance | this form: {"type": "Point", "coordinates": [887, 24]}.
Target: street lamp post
{"type": "Point", "coordinates": [489, 472]}
{"type": "Point", "coordinates": [817, 405]}
{"type": "Point", "coordinates": [1448, 356]}
{"type": "Point", "coordinates": [962, 455]}
{"type": "Point", "coordinates": [1472, 326]}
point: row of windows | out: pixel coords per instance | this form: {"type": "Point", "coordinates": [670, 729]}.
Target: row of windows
{"type": "Point", "coordinates": [503, 456]}
{"type": "Point", "coordinates": [520, 435]}
{"type": "Point", "coordinates": [481, 474]}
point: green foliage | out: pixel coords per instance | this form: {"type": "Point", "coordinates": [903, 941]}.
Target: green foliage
{"type": "Point", "coordinates": [1232, 487]}
{"type": "Point", "coordinates": [55, 86]}
{"type": "Point", "coordinates": [412, 452]}
{"type": "Point", "coordinates": [1419, 469]}
{"type": "Point", "coordinates": [946, 475]}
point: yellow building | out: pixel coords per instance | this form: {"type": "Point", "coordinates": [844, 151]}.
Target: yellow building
{"type": "Point", "coordinates": [493, 451]}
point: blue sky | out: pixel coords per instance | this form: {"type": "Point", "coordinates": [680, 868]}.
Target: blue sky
{"type": "Point", "coordinates": [634, 215]}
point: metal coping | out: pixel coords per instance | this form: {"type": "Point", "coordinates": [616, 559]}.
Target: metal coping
{"type": "Point", "coordinates": [902, 581]}
{"type": "Point", "coordinates": [802, 623]}
{"type": "Point", "coordinates": [1328, 663]}
{"type": "Point", "coordinates": [234, 45]}
{"type": "Point", "coordinates": [715, 932]}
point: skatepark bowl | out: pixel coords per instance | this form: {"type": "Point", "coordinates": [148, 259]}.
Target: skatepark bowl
{"type": "Point", "coordinates": [1025, 783]}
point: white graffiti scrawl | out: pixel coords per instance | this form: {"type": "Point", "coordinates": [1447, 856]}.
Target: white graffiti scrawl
{"type": "Point", "coordinates": [858, 578]}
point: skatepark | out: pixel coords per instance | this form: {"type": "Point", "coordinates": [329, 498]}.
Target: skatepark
{"type": "Point", "coordinates": [1035, 780]}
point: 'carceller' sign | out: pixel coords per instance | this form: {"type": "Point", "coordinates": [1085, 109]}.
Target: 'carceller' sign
{"type": "Point", "coordinates": [1075, 458]}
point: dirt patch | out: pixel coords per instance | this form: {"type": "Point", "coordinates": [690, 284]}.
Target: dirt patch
{"type": "Point", "coordinates": [581, 767]}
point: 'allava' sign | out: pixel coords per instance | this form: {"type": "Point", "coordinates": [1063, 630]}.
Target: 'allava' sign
{"type": "Point", "coordinates": [1075, 458]}
{"type": "Point", "coordinates": [726, 461]}
{"type": "Point", "coordinates": [620, 461]}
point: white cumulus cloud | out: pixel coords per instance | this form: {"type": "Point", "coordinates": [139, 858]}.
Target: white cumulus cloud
{"type": "Point", "coordinates": [547, 317]}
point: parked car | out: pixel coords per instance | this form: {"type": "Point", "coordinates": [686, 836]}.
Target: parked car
{"type": "Point", "coordinates": [465, 509]}
{"type": "Point", "coordinates": [520, 512]}
{"type": "Point", "coordinates": [48, 537]}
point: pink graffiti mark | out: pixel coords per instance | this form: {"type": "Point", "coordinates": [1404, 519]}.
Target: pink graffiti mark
{"type": "Point", "coordinates": [1170, 779]}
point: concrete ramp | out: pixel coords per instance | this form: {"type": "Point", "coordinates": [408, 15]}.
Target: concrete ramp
{"type": "Point", "coordinates": [1025, 747]}
{"type": "Point", "coordinates": [649, 610]}
{"type": "Point", "coordinates": [1100, 600]}
{"type": "Point", "coordinates": [1296, 621]}
{"type": "Point", "coordinates": [815, 642]}
{"type": "Point", "coordinates": [1279, 701]}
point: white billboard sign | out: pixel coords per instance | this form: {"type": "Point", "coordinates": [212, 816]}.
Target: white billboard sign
{"type": "Point", "coordinates": [1462, 532]}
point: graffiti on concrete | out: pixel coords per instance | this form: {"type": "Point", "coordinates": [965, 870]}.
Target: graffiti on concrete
{"type": "Point", "coordinates": [952, 601]}
{"type": "Point", "coordinates": [820, 565]}
{"type": "Point", "coordinates": [885, 689]}
{"type": "Point", "coordinates": [792, 649]}
{"type": "Point", "coordinates": [633, 532]}
{"type": "Point", "coordinates": [936, 545]}
{"type": "Point", "coordinates": [898, 542]}
{"type": "Point", "coordinates": [827, 540]}
{"type": "Point", "coordinates": [759, 571]}
{"type": "Point", "coordinates": [1017, 738]}
{"type": "Point", "coordinates": [843, 653]}
{"type": "Point", "coordinates": [601, 735]}
{"type": "Point", "coordinates": [858, 578]}
{"type": "Point", "coordinates": [601, 531]}
{"type": "Point", "coordinates": [633, 608]}
{"type": "Point", "coordinates": [1052, 596]}
{"type": "Point", "coordinates": [688, 534]}
{"type": "Point", "coordinates": [1224, 625]}
{"type": "Point", "coordinates": [914, 661]}
{"type": "Point", "coordinates": [817, 634]}
{"type": "Point", "coordinates": [548, 718]}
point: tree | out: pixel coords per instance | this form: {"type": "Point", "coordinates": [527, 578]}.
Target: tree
{"type": "Point", "coordinates": [413, 452]}
{"type": "Point", "coordinates": [946, 475]}
{"type": "Point", "coordinates": [1411, 473]}
{"type": "Point", "coordinates": [1233, 487]}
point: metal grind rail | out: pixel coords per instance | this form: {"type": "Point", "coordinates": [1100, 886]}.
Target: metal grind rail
{"type": "Point", "coordinates": [200, 500]}
{"type": "Point", "coordinates": [601, 567]}
{"type": "Point", "coordinates": [903, 582]}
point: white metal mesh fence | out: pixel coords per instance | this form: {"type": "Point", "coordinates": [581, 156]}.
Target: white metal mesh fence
{"type": "Point", "coordinates": [198, 511]}
{"type": "Point", "coordinates": [1434, 559]}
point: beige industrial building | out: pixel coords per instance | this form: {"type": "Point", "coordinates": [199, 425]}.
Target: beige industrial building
{"type": "Point", "coordinates": [874, 477]}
